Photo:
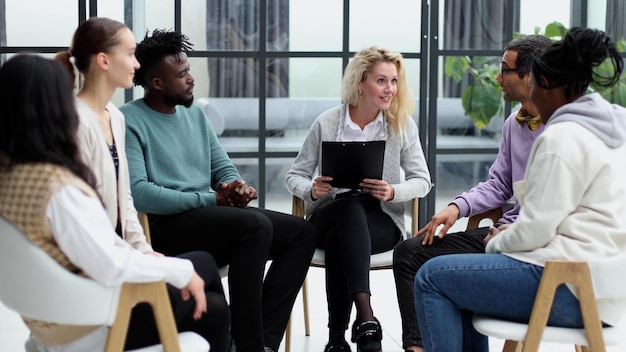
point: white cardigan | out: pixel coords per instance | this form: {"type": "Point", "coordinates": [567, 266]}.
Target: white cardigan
{"type": "Point", "coordinates": [95, 153]}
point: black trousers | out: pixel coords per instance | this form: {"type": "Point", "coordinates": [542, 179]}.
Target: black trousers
{"type": "Point", "coordinates": [410, 255]}
{"type": "Point", "coordinates": [350, 230]}
{"type": "Point", "coordinates": [213, 325]}
{"type": "Point", "coordinates": [245, 238]}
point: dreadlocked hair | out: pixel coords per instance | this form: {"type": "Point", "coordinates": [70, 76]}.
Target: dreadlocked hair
{"type": "Point", "coordinates": [570, 62]}
{"type": "Point", "coordinates": [153, 49]}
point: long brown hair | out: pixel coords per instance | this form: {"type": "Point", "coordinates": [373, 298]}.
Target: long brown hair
{"type": "Point", "coordinates": [95, 35]}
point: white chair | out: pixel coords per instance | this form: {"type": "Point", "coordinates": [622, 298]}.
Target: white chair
{"type": "Point", "coordinates": [37, 287]}
{"type": "Point", "coordinates": [526, 337]}
{"type": "Point", "coordinates": [378, 261]}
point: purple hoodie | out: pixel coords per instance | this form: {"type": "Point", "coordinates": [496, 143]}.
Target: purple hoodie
{"type": "Point", "coordinates": [508, 168]}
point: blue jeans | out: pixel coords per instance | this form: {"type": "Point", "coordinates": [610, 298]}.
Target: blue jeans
{"type": "Point", "coordinates": [450, 288]}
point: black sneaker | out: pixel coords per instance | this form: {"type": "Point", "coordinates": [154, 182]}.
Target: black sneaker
{"type": "Point", "coordinates": [367, 336]}
{"type": "Point", "coordinates": [342, 347]}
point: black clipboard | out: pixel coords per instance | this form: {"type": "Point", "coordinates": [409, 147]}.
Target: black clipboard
{"type": "Point", "coordinates": [348, 163]}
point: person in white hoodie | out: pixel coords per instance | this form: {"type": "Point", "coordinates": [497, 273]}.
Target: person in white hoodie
{"type": "Point", "coordinates": [572, 199]}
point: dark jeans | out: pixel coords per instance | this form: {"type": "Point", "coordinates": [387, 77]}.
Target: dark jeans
{"type": "Point", "coordinates": [245, 238]}
{"type": "Point", "coordinates": [350, 230]}
{"type": "Point", "coordinates": [213, 325]}
{"type": "Point", "coordinates": [408, 258]}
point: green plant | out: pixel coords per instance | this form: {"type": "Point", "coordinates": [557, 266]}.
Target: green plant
{"type": "Point", "coordinates": [482, 98]}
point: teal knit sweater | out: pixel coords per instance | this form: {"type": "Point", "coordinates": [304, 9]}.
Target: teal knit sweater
{"type": "Point", "coordinates": [175, 160]}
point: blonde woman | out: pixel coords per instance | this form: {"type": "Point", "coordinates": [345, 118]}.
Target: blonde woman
{"type": "Point", "coordinates": [350, 225]}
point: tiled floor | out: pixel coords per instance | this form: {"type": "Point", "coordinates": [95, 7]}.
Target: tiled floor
{"type": "Point", "coordinates": [13, 332]}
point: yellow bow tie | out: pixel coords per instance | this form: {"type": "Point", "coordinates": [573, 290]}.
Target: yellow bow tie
{"type": "Point", "coordinates": [533, 123]}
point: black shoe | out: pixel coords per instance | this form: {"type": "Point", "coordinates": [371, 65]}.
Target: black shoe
{"type": "Point", "coordinates": [367, 336]}
{"type": "Point", "coordinates": [342, 347]}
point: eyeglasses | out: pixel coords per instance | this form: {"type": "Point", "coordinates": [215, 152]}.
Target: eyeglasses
{"type": "Point", "coordinates": [505, 70]}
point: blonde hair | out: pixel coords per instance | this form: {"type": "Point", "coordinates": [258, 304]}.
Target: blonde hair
{"type": "Point", "coordinates": [362, 64]}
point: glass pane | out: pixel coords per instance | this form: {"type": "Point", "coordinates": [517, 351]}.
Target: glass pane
{"type": "Point", "coordinates": [157, 14]}
{"type": "Point", "coordinates": [113, 9]}
{"type": "Point", "coordinates": [235, 120]}
{"type": "Point", "coordinates": [199, 68]}
{"type": "Point", "coordinates": [315, 77]}
{"type": "Point", "coordinates": [457, 174]}
{"type": "Point", "coordinates": [610, 16]}
{"type": "Point", "coordinates": [277, 196]}
{"type": "Point", "coordinates": [551, 11]}
{"type": "Point", "coordinates": [194, 22]}
{"type": "Point", "coordinates": [394, 27]}
{"type": "Point", "coordinates": [484, 97]}
{"type": "Point", "coordinates": [230, 25]}
{"type": "Point", "coordinates": [305, 32]}
{"type": "Point", "coordinates": [412, 67]}
{"type": "Point", "coordinates": [314, 86]}
{"type": "Point", "coordinates": [29, 22]}
{"type": "Point", "coordinates": [233, 77]}
{"type": "Point", "coordinates": [277, 84]}
{"type": "Point", "coordinates": [277, 31]}
{"type": "Point", "coordinates": [475, 24]}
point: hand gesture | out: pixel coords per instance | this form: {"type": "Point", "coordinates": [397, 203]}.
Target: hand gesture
{"type": "Point", "coordinates": [242, 194]}
{"type": "Point", "coordinates": [494, 230]}
{"type": "Point", "coordinates": [235, 194]}
{"type": "Point", "coordinates": [379, 189]}
{"type": "Point", "coordinates": [447, 217]}
{"type": "Point", "coordinates": [195, 289]}
{"type": "Point", "coordinates": [321, 186]}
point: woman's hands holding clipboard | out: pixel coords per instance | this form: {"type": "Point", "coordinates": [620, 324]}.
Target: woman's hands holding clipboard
{"type": "Point", "coordinates": [321, 186]}
{"type": "Point", "coordinates": [379, 189]}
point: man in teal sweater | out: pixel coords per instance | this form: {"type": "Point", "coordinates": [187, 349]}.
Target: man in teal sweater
{"type": "Point", "coordinates": [195, 198]}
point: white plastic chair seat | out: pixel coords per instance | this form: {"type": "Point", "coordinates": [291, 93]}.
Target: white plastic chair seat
{"type": "Point", "coordinates": [189, 342]}
{"type": "Point", "coordinates": [508, 330]}
{"type": "Point", "coordinates": [377, 261]}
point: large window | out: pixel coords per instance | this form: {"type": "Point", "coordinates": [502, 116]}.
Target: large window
{"type": "Point", "coordinates": [265, 69]}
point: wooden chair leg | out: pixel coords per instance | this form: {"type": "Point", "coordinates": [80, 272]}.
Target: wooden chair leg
{"type": "Point", "coordinates": [305, 303]}
{"type": "Point", "coordinates": [512, 346]}
{"type": "Point", "coordinates": [154, 293]}
{"type": "Point", "coordinates": [580, 348]}
{"type": "Point", "coordinates": [288, 335]}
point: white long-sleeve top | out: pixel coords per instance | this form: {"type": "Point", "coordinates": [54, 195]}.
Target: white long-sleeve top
{"type": "Point", "coordinates": [83, 232]}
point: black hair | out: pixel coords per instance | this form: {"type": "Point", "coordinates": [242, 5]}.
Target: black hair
{"type": "Point", "coordinates": [37, 114]}
{"type": "Point", "coordinates": [570, 62]}
{"type": "Point", "coordinates": [525, 47]}
{"type": "Point", "coordinates": [153, 49]}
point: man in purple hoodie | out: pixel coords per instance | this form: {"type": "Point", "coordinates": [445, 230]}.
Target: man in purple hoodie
{"type": "Point", "coordinates": [519, 132]}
